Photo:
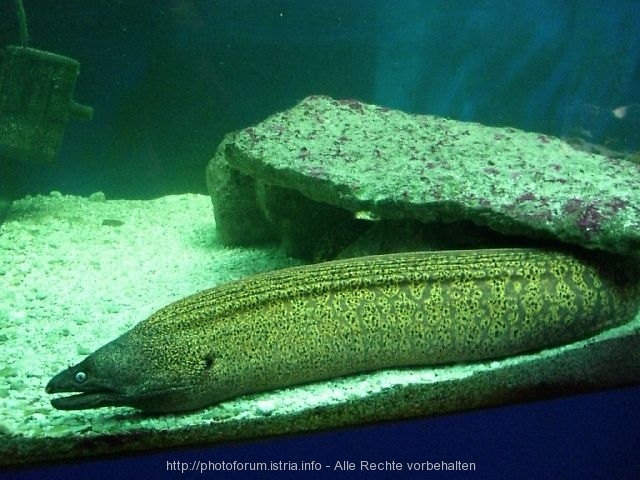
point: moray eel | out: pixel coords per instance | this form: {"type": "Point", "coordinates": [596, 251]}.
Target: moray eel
{"type": "Point", "coordinates": [322, 321]}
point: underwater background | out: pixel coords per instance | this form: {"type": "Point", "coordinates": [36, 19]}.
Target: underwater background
{"type": "Point", "coordinates": [167, 79]}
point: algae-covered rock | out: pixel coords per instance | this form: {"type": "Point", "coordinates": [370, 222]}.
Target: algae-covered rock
{"type": "Point", "coordinates": [394, 165]}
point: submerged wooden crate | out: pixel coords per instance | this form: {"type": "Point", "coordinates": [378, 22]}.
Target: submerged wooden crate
{"type": "Point", "coordinates": [36, 90]}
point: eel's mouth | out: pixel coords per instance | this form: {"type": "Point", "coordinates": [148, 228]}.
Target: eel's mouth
{"type": "Point", "coordinates": [84, 400]}
{"type": "Point", "coordinates": [90, 394]}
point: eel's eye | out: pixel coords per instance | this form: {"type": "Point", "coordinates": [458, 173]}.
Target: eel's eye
{"type": "Point", "coordinates": [80, 377]}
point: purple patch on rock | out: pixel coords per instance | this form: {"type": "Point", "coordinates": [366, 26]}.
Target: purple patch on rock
{"type": "Point", "coordinates": [616, 204]}
{"type": "Point", "coordinates": [251, 132]}
{"type": "Point", "coordinates": [352, 104]}
{"type": "Point", "coordinates": [544, 201]}
{"type": "Point", "coordinates": [526, 197]}
{"type": "Point", "coordinates": [572, 206]}
{"type": "Point", "coordinates": [316, 172]}
{"type": "Point", "coordinates": [590, 220]}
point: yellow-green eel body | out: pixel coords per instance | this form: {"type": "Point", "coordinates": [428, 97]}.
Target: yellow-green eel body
{"type": "Point", "coordinates": [322, 321]}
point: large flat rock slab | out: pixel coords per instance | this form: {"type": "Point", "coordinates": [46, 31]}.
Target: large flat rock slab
{"type": "Point", "coordinates": [363, 157]}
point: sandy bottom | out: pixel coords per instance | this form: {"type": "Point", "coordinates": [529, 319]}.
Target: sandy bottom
{"type": "Point", "coordinates": [76, 273]}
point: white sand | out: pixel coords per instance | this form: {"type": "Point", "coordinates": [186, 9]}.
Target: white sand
{"type": "Point", "coordinates": [69, 284]}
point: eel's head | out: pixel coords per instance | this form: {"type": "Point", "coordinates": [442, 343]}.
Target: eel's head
{"type": "Point", "coordinates": [124, 373]}
{"type": "Point", "coordinates": [93, 389]}
{"type": "Point", "coordinates": [102, 379]}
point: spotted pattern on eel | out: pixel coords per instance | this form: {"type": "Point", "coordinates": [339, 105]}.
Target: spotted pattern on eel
{"type": "Point", "coordinates": [322, 321]}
